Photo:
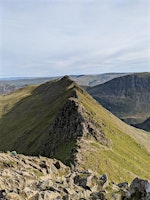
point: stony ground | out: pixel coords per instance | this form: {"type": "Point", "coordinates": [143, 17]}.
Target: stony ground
{"type": "Point", "coordinates": [40, 178]}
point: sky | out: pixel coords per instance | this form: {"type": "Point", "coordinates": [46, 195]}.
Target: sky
{"type": "Point", "coordinates": [58, 37]}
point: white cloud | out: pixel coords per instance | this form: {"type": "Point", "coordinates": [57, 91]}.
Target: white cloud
{"type": "Point", "coordinates": [47, 37]}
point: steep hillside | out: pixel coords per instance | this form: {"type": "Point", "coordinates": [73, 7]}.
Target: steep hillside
{"type": "Point", "coordinates": [127, 97]}
{"type": "Point", "coordinates": [59, 119]}
{"type": "Point", "coordinates": [144, 125]}
{"type": "Point", "coordinates": [28, 113]}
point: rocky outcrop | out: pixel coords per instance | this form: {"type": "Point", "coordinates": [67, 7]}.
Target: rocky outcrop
{"type": "Point", "coordinates": [40, 178]}
{"type": "Point", "coordinates": [72, 123]}
{"type": "Point", "coordinates": [35, 178]}
{"type": "Point", "coordinates": [139, 189]}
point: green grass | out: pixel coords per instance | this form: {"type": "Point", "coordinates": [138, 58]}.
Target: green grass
{"type": "Point", "coordinates": [25, 127]}
{"type": "Point", "coordinates": [126, 158]}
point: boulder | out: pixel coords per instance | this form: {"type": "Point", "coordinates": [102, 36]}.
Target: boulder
{"type": "Point", "coordinates": [139, 189]}
{"type": "Point", "coordinates": [103, 181]}
{"type": "Point", "coordinates": [40, 178]}
{"type": "Point", "coordinates": [46, 195]}
{"type": "Point", "coordinates": [97, 195]}
{"type": "Point", "coordinates": [13, 196]}
{"type": "Point", "coordinates": [123, 185]}
{"type": "Point", "coordinates": [2, 194]}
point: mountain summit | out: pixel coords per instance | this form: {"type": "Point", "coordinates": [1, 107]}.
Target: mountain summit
{"type": "Point", "coordinates": [59, 119]}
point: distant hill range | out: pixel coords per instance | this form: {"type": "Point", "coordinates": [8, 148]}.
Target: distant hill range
{"type": "Point", "coordinates": [61, 120]}
{"type": "Point", "coordinates": [127, 97]}
{"type": "Point", "coordinates": [9, 85]}
{"type": "Point", "coordinates": [12, 84]}
{"type": "Point", "coordinates": [92, 80]}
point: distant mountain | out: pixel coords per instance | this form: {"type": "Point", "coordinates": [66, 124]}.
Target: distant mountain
{"type": "Point", "coordinates": [127, 97]}
{"type": "Point", "coordinates": [6, 88]}
{"type": "Point", "coordinates": [11, 84]}
{"type": "Point", "coordinates": [144, 125]}
{"type": "Point", "coordinates": [59, 119]}
{"type": "Point", "coordinates": [92, 80]}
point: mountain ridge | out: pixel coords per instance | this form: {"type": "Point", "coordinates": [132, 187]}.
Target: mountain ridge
{"type": "Point", "coordinates": [10, 85]}
{"type": "Point", "coordinates": [59, 119]}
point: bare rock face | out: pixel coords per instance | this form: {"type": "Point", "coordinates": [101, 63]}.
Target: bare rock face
{"type": "Point", "coordinates": [40, 178]}
{"type": "Point", "coordinates": [73, 122]}
{"type": "Point", "coordinates": [23, 177]}
{"type": "Point", "coordinates": [140, 189]}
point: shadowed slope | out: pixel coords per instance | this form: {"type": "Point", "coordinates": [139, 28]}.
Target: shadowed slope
{"type": "Point", "coordinates": [127, 97]}
{"type": "Point", "coordinates": [144, 125]}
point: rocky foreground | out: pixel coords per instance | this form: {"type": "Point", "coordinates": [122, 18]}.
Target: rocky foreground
{"type": "Point", "coordinates": [40, 178]}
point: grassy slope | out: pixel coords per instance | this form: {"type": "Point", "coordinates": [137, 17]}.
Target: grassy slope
{"type": "Point", "coordinates": [129, 155]}
{"type": "Point", "coordinates": [29, 114]}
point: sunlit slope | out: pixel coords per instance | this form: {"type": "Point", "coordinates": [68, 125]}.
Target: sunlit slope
{"type": "Point", "coordinates": [129, 154]}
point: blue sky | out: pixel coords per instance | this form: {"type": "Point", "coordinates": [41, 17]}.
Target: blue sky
{"type": "Point", "coordinates": [58, 37]}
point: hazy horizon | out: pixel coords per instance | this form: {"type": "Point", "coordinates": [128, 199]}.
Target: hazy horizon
{"type": "Point", "coordinates": [42, 77]}
{"type": "Point", "coordinates": [44, 38]}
